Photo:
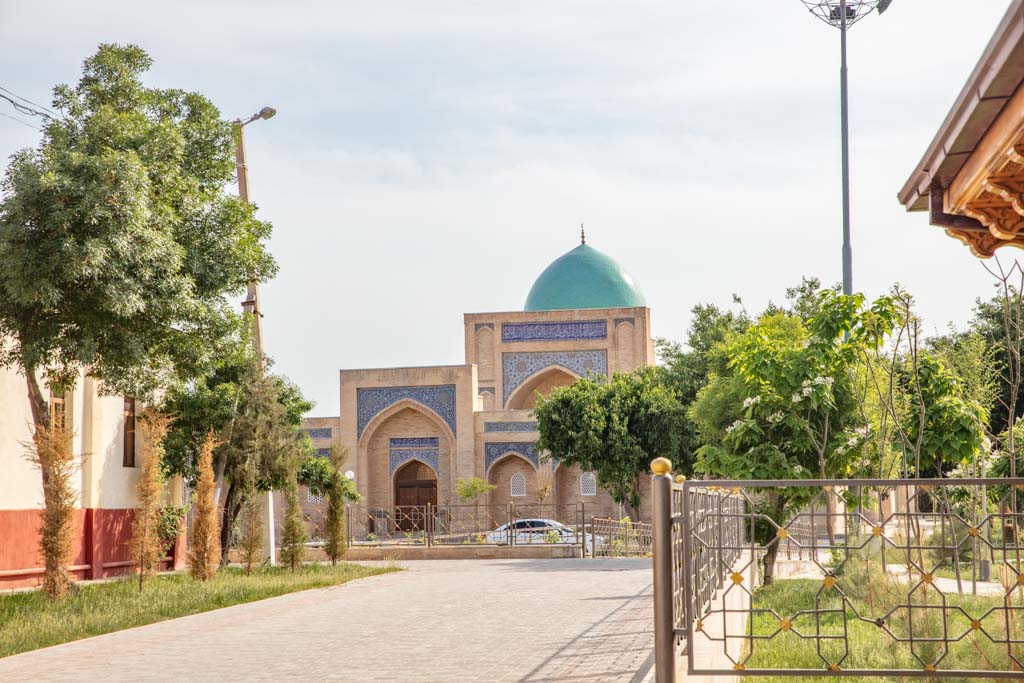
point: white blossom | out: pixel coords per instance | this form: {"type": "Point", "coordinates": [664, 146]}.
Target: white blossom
{"type": "Point", "coordinates": [776, 417]}
{"type": "Point", "coordinates": [797, 469]}
{"type": "Point", "coordinates": [797, 397]}
{"type": "Point", "coordinates": [807, 391]}
{"type": "Point", "coordinates": [752, 401]}
{"type": "Point", "coordinates": [733, 426]}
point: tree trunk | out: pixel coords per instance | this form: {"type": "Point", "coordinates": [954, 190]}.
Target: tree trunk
{"type": "Point", "coordinates": [37, 401]}
{"type": "Point", "coordinates": [769, 563]}
{"type": "Point", "coordinates": [232, 506]}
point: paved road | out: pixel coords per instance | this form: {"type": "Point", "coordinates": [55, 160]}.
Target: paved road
{"type": "Point", "coordinates": [495, 620]}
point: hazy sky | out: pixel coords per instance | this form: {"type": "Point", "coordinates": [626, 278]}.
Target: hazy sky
{"type": "Point", "coordinates": [430, 157]}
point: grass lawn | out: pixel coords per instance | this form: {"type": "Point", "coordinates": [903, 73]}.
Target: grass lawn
{"type": "Point", "coordinates": [872, 595]}
{"type": "Point", "coordinates": [29, 620]}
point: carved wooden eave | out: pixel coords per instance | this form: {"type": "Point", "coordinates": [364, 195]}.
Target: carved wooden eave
{"type": "Point", "coordinates": [971, 178]}
{"type": "Point", "coordinates": [990, 187]}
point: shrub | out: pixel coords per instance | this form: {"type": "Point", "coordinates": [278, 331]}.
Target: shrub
{"type": "Point", "coordinates": [50, 451]}
{"type": "Point", "coordinates": [293, 537]}
{"type": "Point", "coordinates": [147, 548]}
{"type": "Point", "coordinates": [204, 555]}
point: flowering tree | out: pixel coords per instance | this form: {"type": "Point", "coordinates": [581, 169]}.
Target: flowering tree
{"type": "Point", "coordinates": [785, 407]}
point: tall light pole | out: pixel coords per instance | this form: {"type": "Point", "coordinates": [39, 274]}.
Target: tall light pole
{"type": "Point", "coordinates": [843, 14]}
{"type": "Point", "coordinates": [251, 305]}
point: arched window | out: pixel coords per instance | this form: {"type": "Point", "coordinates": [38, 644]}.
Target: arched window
{"type": "Point", "coordinates": [588, 484]}
{"type": "Point", "coordinates": [517, 485]}
{"type": "Point", "coordinates": [313, 497]}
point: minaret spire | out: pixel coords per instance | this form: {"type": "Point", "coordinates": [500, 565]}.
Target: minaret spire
{"type": "Point", "coordinates": [583, 235]}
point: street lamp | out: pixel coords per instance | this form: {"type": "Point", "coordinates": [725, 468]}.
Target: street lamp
{"type": "Point", "coordinates": [843, 14]}
{"type": "Point", "coordinates": [251, 304]}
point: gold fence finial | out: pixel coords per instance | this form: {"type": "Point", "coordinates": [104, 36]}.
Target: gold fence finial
{"type": "Point", "coordinates": [661, 466]}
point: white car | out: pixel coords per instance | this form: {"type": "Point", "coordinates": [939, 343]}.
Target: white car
{"type": "Point", "coordinates": [536, 532]}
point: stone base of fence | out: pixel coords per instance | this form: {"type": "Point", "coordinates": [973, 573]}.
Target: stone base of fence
{"type": "Point", "coordinates": [483, 552]}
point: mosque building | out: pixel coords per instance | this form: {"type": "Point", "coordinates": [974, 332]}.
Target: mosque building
{"type": "Point", "coordinates": [412, 432]}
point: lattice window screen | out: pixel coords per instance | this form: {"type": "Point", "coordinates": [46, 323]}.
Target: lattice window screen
{"type": "Point", "coordinates": [588, 484]}
{"type": "Point", "coordinates": [314, 497]}
{"type": "Point", "coordinates": [517, 486]}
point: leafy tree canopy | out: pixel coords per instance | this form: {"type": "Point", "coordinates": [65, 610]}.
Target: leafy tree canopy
{"type": "Point", "coordinates": [613, 427]}
{"type": "Point", "coordinates": [118, 242]}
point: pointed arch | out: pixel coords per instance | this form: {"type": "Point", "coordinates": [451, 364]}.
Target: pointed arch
{"type": "Point", "coordinates": [510, 454]}
{"type": "Point", "coordinates": [398, 406]}
{"type": "Point", "coordinates": [523, 398]}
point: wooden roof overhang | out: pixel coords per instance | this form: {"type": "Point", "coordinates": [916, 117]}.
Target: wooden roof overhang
{"type": "Point", "coordinates": [971, 179]}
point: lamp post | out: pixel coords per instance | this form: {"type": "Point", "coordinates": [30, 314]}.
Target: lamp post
{"type": "Point", "coordinates": [251, 305]}
{"type": "Point", "coordinates": [843, 14]}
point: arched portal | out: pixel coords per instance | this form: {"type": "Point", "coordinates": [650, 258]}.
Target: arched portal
{"type": "Point", "coordinates": [525, 395]}
{"type": "Point", "coordinates": [514, 479]}
{"type": "Point", "coordinates": [415, 488]}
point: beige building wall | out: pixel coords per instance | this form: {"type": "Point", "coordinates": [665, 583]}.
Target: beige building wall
{"type": "Point", "coordinates": [20, 485]}
{"type": "Point", "coordinates": [98, 444]}
{"type": "Point", "coordinates": [626, 344]}
{"type": "Point", "coordinates": [432, 402]}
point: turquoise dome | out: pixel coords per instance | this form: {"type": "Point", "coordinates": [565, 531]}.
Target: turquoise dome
{"type": "Point", "coordinates": [583, 278]}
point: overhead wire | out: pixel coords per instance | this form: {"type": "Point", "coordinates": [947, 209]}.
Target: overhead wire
{"type": "Point", "coordinates": [25, 99]}
{"type": "Point", "coordinates": [24, 109]}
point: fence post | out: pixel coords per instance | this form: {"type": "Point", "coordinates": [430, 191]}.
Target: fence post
{"type": "Point", "coordinates": [428, 525]}
{"type": "Point", "coordinates": [664, 636]}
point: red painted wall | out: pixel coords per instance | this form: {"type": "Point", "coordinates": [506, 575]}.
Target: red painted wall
{"type": "Point", "coordinates": [100, 546]}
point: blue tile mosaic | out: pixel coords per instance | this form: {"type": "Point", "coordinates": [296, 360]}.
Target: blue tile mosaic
{"type": "Point", "coordinates": [320, 433]}
{"type": "Point", "coordinates": [619, 321]}
{"type": "Point", "coordinates": [516, 367]}
{"type": "Point", "coordinates": [415, 442]}
{"type": "Point", "coordinates": [510, 426]}
{"type": "Point", "coordinates": [495, 451]}
{"type": "Point", "coordinates": [323, 452]}
{"type": "Point", "coordinates": [439, 398]}
{"type": "Point", "coordinates": [554, 331]}
{"type": "Point", "coordinates": [429, 457]}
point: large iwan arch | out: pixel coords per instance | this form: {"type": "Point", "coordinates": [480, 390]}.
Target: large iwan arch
{"type": "Point", "coordinates": [541, 382]}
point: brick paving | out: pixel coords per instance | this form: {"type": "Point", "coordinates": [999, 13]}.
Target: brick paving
{"type": "Point", "coordinates": [492, 620]}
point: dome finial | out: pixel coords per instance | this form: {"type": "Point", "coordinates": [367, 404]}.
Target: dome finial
{"type": "Point", "coordinates": [583, 235]}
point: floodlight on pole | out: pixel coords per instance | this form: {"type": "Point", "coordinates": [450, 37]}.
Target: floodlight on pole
{"type": "Point", "coordinates": [843, 14]}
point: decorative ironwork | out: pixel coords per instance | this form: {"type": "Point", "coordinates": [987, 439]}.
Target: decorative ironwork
{"type": "Point", "coordinates": [907, 578]}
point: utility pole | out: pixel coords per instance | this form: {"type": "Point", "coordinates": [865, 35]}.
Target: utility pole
{"type": "Point", "coordinates": [251, 305]}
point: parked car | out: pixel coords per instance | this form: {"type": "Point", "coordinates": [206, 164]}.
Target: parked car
{"type": "Point", "coordinates": [536, 532]}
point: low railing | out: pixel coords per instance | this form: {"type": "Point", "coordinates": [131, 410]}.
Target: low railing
{"type": "Point", "coordinates": [619, 538]}
{"type": "Point", "coordinates": [515, 524]}
{"type": "Point", "coordinates": [902, 578]}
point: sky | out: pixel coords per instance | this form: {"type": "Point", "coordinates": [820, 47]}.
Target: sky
{"type": "Point", "coordinates": [429, 159]}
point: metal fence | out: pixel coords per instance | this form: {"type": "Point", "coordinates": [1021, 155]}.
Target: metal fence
{"type": "Point", "coordinates": [915, 578]}
{"type": "Point", "coordinates": [619, 538]}
{"type": "Point", "coordinates": [467, 524]}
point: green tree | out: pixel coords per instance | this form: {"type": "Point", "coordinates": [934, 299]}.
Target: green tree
{"type": "Point", "coordinates": [119, 246]}
{"type": "Point", "coordinates": [293, 535]}
{"type": "Point", "coordinates": [613, 427]}
{"type": "Point", "coordinates": [785, 405]}
{"type": "Point", "coordinates": [340, 492]}
{"type": "Point", "coordinates": [687, 367]}
{"type": "Point", "coordinates": [257, 417]}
